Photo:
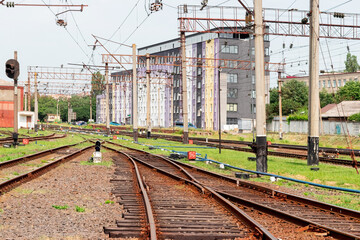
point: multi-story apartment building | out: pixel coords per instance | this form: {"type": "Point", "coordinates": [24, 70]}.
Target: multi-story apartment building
{"type": "Point", "coordinates": [331, 82]}
{"type": "Point", "coordinates": [237, 86]}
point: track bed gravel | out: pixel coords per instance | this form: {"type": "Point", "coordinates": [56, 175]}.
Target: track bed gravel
{"type": "Point", "coordinates": [27, 212]}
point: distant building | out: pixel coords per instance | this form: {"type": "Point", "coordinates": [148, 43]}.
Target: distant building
{"type": "Point", "coordinates": [100, 109]}
{"type": "Point", "coordinates": [341, 111]}
{"type": "Point", "coordinates": [237, 86]}
{"type": "Point", "coordinates": [52, 117]}
{"type": "Point", "coordinates": [7, 102]}
{"type": "Point", "coordinates": [331, 82]}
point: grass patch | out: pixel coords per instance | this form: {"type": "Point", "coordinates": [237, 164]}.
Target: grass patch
{"type": "Point", "coordinates": [79, 209]}
{"type": "Point", "coordinates": [16, 173]}
{"type": "Point", "coordinates": [60, 207]}
{"type": "Point", "coordinates": [104, 163]}
{"type": "Point", "coordinates": [13, 153]}
{"type": "Point", "coordinates": [44, 161]}
{"type": "Point", "coordinates": [109, 202]}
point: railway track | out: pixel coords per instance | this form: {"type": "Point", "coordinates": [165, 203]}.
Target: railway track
{"type": "Point", "coordinates": [307, 214]}
{"type": "Point", "coordinates": [48, 137]}
{"type": "Point", "coordinates": [279, 150]}
{"type": "Point", "coordinates": [181, 208]}
{"type": "Point", "coordinates": [35, 165]}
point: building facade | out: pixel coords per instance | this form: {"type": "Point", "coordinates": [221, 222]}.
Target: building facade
{"type": "Point", "coordinates": [237, 95]}
{"type": "Point", "coordinates": [7, 103]}
{"type": "Point", "coordinates": [329, 82]}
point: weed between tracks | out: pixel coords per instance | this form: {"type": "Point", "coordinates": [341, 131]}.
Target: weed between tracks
{"type": "Point", "coordinates": [60, 207]}
{"type": "Point", "coordinates": [104, 163]}
{"type": "Point", "coordinates": [79, 209]}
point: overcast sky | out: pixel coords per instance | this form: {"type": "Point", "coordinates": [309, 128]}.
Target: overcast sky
{"type": "Point", "coordinates": [33, 32]}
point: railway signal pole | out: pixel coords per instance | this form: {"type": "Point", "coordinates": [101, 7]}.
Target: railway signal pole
{"type": "Point", "coordinates": [280, 107]}
{"type": "Point", "coordinates": [261, 150]}
{"type": "Point", "coordinates": [314, 102]}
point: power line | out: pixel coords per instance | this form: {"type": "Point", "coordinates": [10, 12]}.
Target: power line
{"type": "Point", "coordinates": [123, 21]}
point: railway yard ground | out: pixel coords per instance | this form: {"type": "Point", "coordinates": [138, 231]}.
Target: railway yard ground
{"type": "Point", "coordinates": [77, 199]}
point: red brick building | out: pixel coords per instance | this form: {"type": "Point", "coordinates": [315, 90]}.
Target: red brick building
{"type": "Point", "coordinates": [7, 103]}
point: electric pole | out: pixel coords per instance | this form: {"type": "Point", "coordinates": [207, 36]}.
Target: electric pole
{"type": "Point", "coordinates": [91, 94]}
{"type": "Point", "coordinates": [261, 150]}
{"type": "Point", "coordinates": [148, 89]}
{"type": "Point", "coordinates": [113, 100]}
{"type": "Point", "coordinates": [36, 102]}
{"type": "Point", "coordinates": [107, 98]}
{"type": "Point", "coordinates": [25, 100]}
{"type": "Point", "coordinates": [135, 96]}
{"type": "Point", "coordinates": [280, 107]}
{"type": "Point", "coordinates": [184, 88]}
{"type": "Point", "coordinates": [29, 94]}
{"type": "Point", "coordinates": [314, 102]}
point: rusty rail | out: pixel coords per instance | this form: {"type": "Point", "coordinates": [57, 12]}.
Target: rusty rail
{"type": "Point", "coordinates": [260, 231]}
{"type": "Point", "coordinates": [16, 181]}
{"type": "Point", "coordinates": [338, 212]}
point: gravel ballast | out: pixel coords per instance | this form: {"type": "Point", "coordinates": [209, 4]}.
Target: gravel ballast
{"type": "Point", "coordinates": [29, 211]}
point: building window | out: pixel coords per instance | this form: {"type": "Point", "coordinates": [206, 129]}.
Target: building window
{"type": "Point", "coordinates": [253, 94]}
{"type": "Point", "coordinates": [231, 121]}
{"type": "Point", "coordinates": [232, 93]}
{"type": "Point", "coordinates": [356, 79]}
{"type": "Point", "coordinates": [232, 78]}
{"type": "Point", "coordinates": [344, 81]}
{"type": "Point", "coordinates": [334, 83]}
{"type": "Point", "coordinates": [267, 53]}
{"type": "Point", "coordinates": [253, 51]}
{"type": "Point", "coordinates": [232, 107]}
{"type": "Point", "coordinates": [230, 49]}
{"type": "Point", "coordinates": [253, 108]}
{"type": "Point", "coordinates": [253, 79]}
{"type": "Point", "coordinates": [199, 71]}
{"type": "Point", "coordinates": [339, 83]}
{"type": "Point", "coordinates": [329, 84]}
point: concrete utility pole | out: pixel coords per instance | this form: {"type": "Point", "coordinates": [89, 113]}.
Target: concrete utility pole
{"type": "Point", "coordinates": [314, 103]}
{"type": "Point", "coordinates": [219, 109]}
{"type": "Point", "coordinates": [159, 106]}
{"type": "Point", "coordinates": [91, 94]}
{"type": "Point", "coordinates": [184, 88]}
{"type": "Point", "coordinates": [172, 105]}
{"type": "Point", "coordinates": [29, 94]}
{"type": "Point", "coordinates": [261, 150]}
{"type": "Point", "coordinates": [113, 100]}
{"type": "Point", "coordinates": [36, 100]}
{"type": "Point", "coordinates": [148, 90]}
{"type": "Point", "coordinates": [135, 96]}
{"type": "Point", "coordinates": [25, 94]}
{"type": "Point", "coordinates": [16, 102]}
{"type": "Point", "coordinates": [107, 98]}
{"type": "Point", "coordinates": [69, 112]}
{"type": "Point", "coordinates": [280, 107]}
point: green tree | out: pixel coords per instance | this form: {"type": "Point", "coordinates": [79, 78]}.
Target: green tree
{"type": "Point", "coordinates": [326, 98]}
{"type": "Point", "coordinates": [97, 83]}
{"type": "Point", "coordinates": [349, 92]}
{"type": "Point", "coordinates": [351, 64]}
{"type": "Point", "coordinates": [294, 97]}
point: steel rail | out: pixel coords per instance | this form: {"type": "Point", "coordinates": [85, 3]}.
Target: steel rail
{"type": "Point", "coordinates": [51, 136]}
{"type": "Point", "coordinates": [16, 161]}
{"type": "Point", "coordinates": [146, 199]}
{"type": "Point", "coordinates": [260, 231]}
{"type": "Point", "coordinates": [16, 181]}
{"type": "Point", "coordinates": [273, 193]}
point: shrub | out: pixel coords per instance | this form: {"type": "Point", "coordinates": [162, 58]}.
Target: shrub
{"type": "Point", "coordinates": [355, 117]}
